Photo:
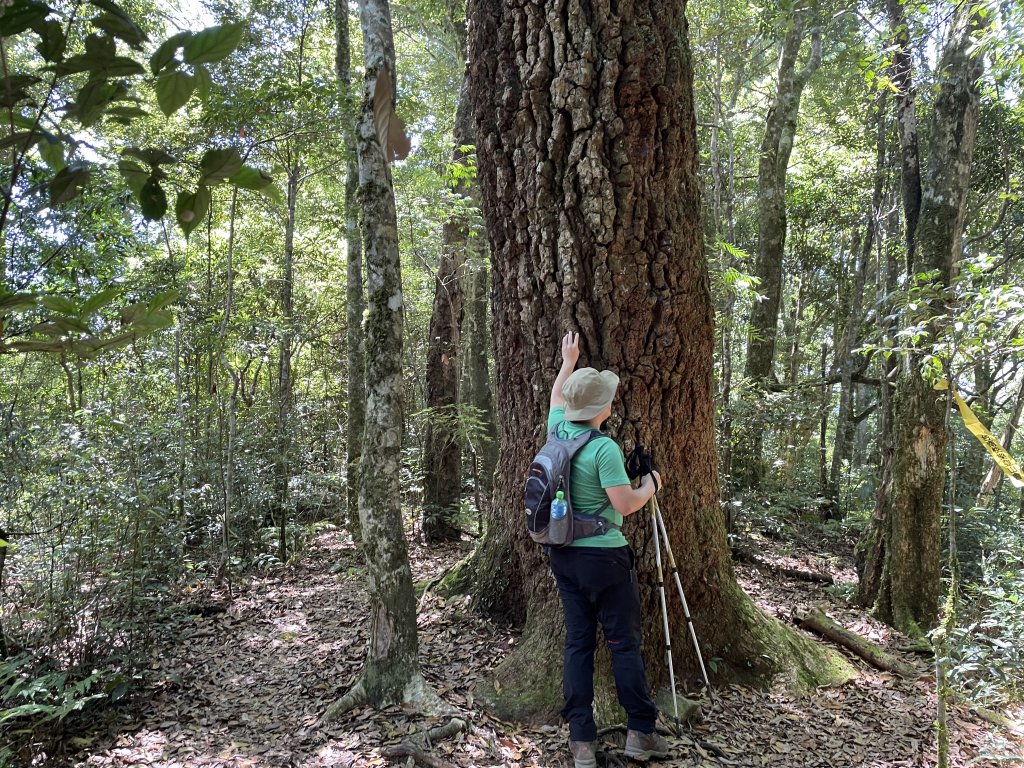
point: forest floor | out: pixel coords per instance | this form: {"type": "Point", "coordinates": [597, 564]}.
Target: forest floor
{"type": "Point", "coordinates": [245, 687]}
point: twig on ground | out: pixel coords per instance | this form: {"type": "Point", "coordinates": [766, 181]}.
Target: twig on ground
{"type": "Point", "coordinates": [408, 749]}
{"type": "Point", "coordinates": [747, 556]}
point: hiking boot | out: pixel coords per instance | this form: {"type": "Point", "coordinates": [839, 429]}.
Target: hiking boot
{"type": "Point", "coordinates": [644, 746]}
{"type": "Point", "coordinates": [584, 753]}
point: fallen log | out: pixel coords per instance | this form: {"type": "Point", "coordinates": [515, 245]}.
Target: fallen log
{"type": "Point", "coordinates": [746, 556]}
{"type": "Point", "coordinates": [816, 621]}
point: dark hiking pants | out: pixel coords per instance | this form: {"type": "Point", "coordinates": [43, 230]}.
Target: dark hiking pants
{"type": "Point", "coordinates": [599, 584]}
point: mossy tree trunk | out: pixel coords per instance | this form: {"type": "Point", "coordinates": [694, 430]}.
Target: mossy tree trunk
{"type": "Point", "coordinates": [908, 596]}
{"type": "Point", "coordinates": [354, 302]}
{"type": "Point", "coordinates": [776, 148]}
{"type": "Point", "coordinates": [588, 171]}
{"type": "Point", "coordinates": [390, 673]}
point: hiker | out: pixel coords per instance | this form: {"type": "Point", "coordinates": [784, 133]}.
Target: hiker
{"type": "Point", "coordinates": [595, 575]}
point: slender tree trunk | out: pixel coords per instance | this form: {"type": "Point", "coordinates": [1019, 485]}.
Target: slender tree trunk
{"type": "Point", "coordinates": [391, 672]}
{"type": "Point", "coordinates": [354, 302]}
{"type": "Point", "coordinates": [442, 451]}
{"type": "Point", "coordinates": [845, 354]}
{"type": "Point", "coordinates": [776, 147]}
{"type": "Point", "coordinates": [478, 351]}
{"type": "Point", "coordinates": [588, 170]}
{"type": "Point", "coordinates": [285, 384]}
{"type": "Point", "coordinates": [909, 592]}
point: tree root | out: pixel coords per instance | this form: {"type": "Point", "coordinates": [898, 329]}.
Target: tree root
{"type": "Point", "coordinates": [416, 695]}
{"type": "Point", "coordinates": [414, 747]}
{"type": "Point", "coordinates": [818, 622]}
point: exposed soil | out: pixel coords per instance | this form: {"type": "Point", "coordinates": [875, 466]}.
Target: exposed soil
{"type": "Point", "coordinates": [245, 686]}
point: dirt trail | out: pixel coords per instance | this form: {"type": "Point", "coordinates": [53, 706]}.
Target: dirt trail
{"type": "Point", "coordinates": [245, 688]}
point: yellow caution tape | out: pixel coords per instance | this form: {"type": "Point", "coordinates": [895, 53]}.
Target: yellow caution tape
{"type": "Point", "coordinates": [1001, 456]}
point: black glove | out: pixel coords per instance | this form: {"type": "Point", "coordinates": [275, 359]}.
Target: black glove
{"type": "Point", "coordinates": [638, 464]}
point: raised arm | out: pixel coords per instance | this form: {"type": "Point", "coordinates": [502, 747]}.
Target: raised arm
{"type": "Point", "coordinates": [570, 354]}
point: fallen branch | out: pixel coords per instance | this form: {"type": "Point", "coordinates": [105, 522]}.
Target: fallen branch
{"type": "Point", "coordinates": [818, 622]}
{"type": "Point", "coordinates": [746, 556]}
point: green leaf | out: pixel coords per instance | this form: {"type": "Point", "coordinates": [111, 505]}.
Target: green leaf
{"type": "Point", "coordinates": [21, 139]}
{"type": "Point", "coordinates": [219, 164]}
{"type": "Point", "coordinates": [60, 304]}
{"type": "Point", "coordinates": [191, 208]}
{"type": "Point", "coordinates": [52, 41]}
{"type": "Point", "coordinates": [98, 301]}
{"type": "Point", "coordinates": [214, 43]}
{"type": "Point", "coordinates": [204, 82]}
{"type": "Point", "coordinates": [164, 298]}
{"type": "Point", "coordinates": [32, 346]}
{"type": "Point", "coordinates": [122, 66]}
{"type": "Point", "coordinates": [248, 177]}
{"type": "Point", "coordinates": [93, 100]}
{"type": "Point", "coordinates": [135, 175]}
{"type": "Point", "coordinates": [4, 544]}
{"type": "Point", "coordinates": [100, 47]}
{"type": "Point", "coordinates": [153, 199]}
{"type": "Point", "coordinates": [173, 89]}
{"type": "Point", "coordinates": [120, 25]}
{"type": "Point", "coordinates": [164, 55]}
{"type": "Point", "coordinates": [126, 115]}
{"type": "Point", "coordinates": [68, 183]}
{"type": "Point", "coordinates": [149, 155]}
{"type": "Point", "coordinates": [15, 88]}
{"type": "Point", "coordinates": [52, 152]}
{"type": "Point", "coordinates": [132, 312]}
{"type": "Point", "coordinates": [14, 302]}
{"type": "Point", "coordinates": [21, 15]}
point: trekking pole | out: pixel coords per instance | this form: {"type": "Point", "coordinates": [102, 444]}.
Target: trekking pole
{"type": "Point", "coordinates": [652, 506]}
{"type": "Point", "coordinates": [679, 586]}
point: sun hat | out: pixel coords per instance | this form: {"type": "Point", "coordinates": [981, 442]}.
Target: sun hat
{"type": "Point", "coordinates": [588, 392]}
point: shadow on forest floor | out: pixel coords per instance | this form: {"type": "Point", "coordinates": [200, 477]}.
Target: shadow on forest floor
{"type": "Point", "coordinates": [245, 687]}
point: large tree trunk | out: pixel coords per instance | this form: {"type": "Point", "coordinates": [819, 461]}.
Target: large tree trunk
{"type": "Point", "coordinates": [354, 303]}
{"type": "Point", "coordinates": [442, 451]}
{"type": "Point", "coordinates": [588, 170]}
{"type": "Point", "coordinates": [908, 598]}
{"type": "Point", "coordinates": [776, 147]}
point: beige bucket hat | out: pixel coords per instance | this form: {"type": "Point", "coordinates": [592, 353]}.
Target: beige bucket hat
{"type": "Point", "coordinates": [587, 392]}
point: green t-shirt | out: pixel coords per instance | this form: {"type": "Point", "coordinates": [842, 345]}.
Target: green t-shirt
{"type": "Point", "coordinates": [597, 466]}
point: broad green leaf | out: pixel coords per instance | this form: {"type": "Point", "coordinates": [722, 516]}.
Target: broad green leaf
{"type": "Point", "coordinates": [21, 15]}
{"type": "Point", "coordinates": [149, 155]}
{"type": "Point", "coordinates": [100, 300]}
{"type": "Point", "coordinates": [248, 177]}
{"type": "Point", "coordinates": [164, 298]}
{"type": "Point", "coordinates": [153, 199]}
{"type": "Point", "coordinates": [93, 100]}
{"type": "Point", "coordinates": [52, 152]}
{"type": "Point", "coordinates": [135, 175]}
{"type": "Point", "coordinates": [191, 208]}
{"type": "Point", "coordinates": [122, 66]}
{"type": "Point", "coordinates": [219, 164]}
{"type": "Point", "coordinates": [126, 115]}
{"type": "Point", "coordinates": [173, 90]}
{"type": "Point", "coordinates": [60, 304]}
{"type": "Point", "coordinates": [204, 82]}
{"type": "Point", "coordinates": [164, 55]}
{"type": "Point", "coordinates": [100, 47]}
{"type": "Point", "coordinates": [32, 346]}
{"type": "Point", "coordinates": [14, 302]}
{"type": "Point", "coordinates": [15, 88]}
{"type": "Point", "coordinates": [214, 43]}
{"type": "Point", "coordinates": [118, 24]}
{"type": "Point", "coordinates": [61, 326]}
{"type": "Point", "coordinates": [132, 312]}
{"type": "Point", "coordinates": [4, 544]}
{"type": "Point", "coordinates": [52, 41]}
{"type": "Point", "coordinates": [68, 183]}
{"type": "Point", "coordinates": [21, 139]}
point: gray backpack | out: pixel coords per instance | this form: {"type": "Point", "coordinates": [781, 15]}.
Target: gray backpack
{"type": "Point", "coordinates": [549, 473]}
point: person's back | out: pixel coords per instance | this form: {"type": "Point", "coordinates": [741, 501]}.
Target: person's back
{"type": "Point", "coordinates": [595, 576]}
